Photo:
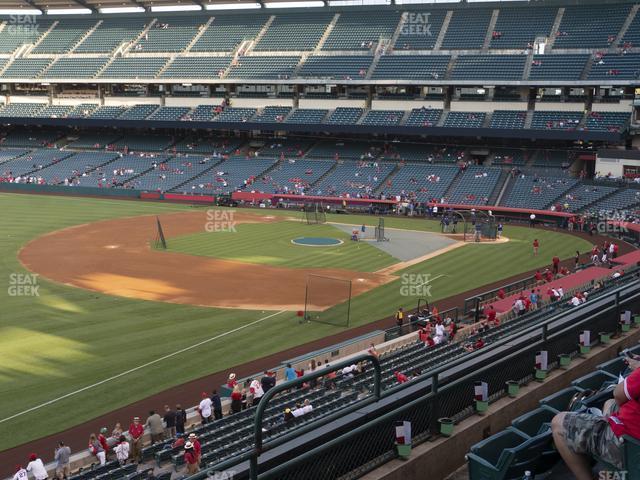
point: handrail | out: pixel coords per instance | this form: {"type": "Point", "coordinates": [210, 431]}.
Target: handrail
{"type": "Point", "coordinates": [264, 401]}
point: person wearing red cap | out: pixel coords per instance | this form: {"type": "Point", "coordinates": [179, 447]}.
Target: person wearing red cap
{"type": "Point", "coordinates": [136, 430]}
{"type": "Point", "coordinates": [36, 467]}
{"type": "Point", "coordinates": [21, 473]}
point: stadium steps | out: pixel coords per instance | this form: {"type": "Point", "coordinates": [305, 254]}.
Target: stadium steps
{"type": "Point", "coordinates": [327, 32]}
{"type": "Point", "coordinates": [130, 179]}
{"type": "Point", "coordinates": [623, 30]}
{"type": "Point", "coordinates": [198, 35]}
{"type": "Point", "coordinates": [453, 185]}
{"type": "Point", "coordinates": [487, 120]}
{"type": "Point", "coordinates": [323, 177]}
{"type": "Point", "coordinates": [398, 31]}
{"type": "Point", "coordinates": [374, 64]}
{"type": "Point", "coordinates": [452, 62]}
{"type": "Point", "coordinates": [42, 37]}
{"type": "Point", "coordinates": [528, 119]}
{"type": "Point", "coordinates": [443, 30]}
{"type": "Point", "coordinates": [598, 200]}
{"type": "Point", "coordinates": [191, 179]}
{"type": "Point", "coordinates": [86, 35]}
{"type": "Point", "coordinates": [261, 33]}
{"type": "Point", "coordinates": [405, 117]}
{"type": "Point", "coordinates": [506, 190]}
{"type": "Point", "coordinates": [490, 30]}
{"type": "Point", "coordinates": [443, 117]}
{"type": "Point", "coordinates": [128, 48]}
{"type": "Point", "coordinates": [389, 177]}
{"type": "Point", "coordinates": [587, 68]}
{"type": "Point", "coordinates": [166, 65]}
{"type": "Point", "coordinates": [106, 65]}
{"type": "Point", "coordinates": [296, 71]}
{"type": "Point", "coordinates": [554, 29]}
{"type": "Point", "coordinates": [498, 191]}
{"type": "Point", "coordinates": [527, 65]}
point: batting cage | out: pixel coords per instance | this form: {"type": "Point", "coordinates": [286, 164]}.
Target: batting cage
{"type": "Point", "coordinates": [380, 236]}
{"type": "Point", "coordinates": [327, 300]}
{"type": "Point", "coordinates": [315, 213]}
{"type": "Point", "coordinates": [474, 225]}
{"type": "Point", "coordinates": [160, 241]}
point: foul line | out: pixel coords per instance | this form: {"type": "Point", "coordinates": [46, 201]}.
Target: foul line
{"type": "Point", "coordinates": [101, 382]}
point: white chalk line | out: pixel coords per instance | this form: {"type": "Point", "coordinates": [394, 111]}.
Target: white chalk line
{"type": "Point", "coordinates": [140, 367]}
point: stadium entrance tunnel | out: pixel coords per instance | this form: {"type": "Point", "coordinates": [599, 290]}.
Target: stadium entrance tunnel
{"type": "Point", "coordinates": [317, 241]}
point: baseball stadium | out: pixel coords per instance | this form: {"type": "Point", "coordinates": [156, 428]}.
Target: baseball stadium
{"type": "Point", "coordinates": [320, 239]}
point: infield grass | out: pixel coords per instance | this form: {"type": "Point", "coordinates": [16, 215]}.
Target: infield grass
{"type": "Point", "coordinates": [66, 339]}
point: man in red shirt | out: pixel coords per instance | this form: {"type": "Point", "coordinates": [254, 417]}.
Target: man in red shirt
{"type": "Point", "coordinates": [556, 264]}
{"type": "Point", "coordinates": [536, 246]}
{"type": "Point", "coordinates": [538, 276]}
{"type": "Point", "coordinates": [581, 436]}
{"type": "Point", "coordinates": [136, 430]}
{"type": "Point", "coordinates": [197, 448]}
{"type": "Point", "coordinates": [548, 275]}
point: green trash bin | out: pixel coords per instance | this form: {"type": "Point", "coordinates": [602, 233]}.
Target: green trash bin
{"type": "Point", "coordinates": [404, 450]}
{"type": "Point", "coordinates": [565, 359]}
{"type": "Point", "coordinates": [513, 388]}
{"type": "Point", "coordinates": [446, 426]}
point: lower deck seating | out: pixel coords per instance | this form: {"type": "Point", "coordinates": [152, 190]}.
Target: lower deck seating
{"type": "Point", "coordinates": [475, 185]}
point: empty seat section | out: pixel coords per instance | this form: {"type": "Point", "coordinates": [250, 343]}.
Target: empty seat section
{"type": "Point", "coordinates": [467, 29]}
{"type": "Point", "coordinates": [168, 114]}
{"type": "Point", "coordinates": [74, 167]}
{"type": "Point", "coordinates": [82, 110]}
{"type": "Point", "coordinates": [294, 32]}
{"type": "Point", "coordinates": [233, 174]}
{"type": "Point", "coordinates": [272, 114]}
{"type": "Point", "coordinates": [55, 111]}
{"type": "Point", "coordinates": [170, 34]}
{"type": "Point", "coordinates": [64, 36]}
{"type": "Point", "coordinates": [361, 30]}
{"type": "Point", "coordinates": [618, 202]}
{"type": "Point", "coordinates": [25, 30]}
{"type": "Point", "coordinates": [509, 156]}
{"type": "Point", "coordinates": [583, 195]}
{"type": "Point", "coordinates": [134, 67]}
{"type": "Point", "coordinates": [31, 162]}
{"type": "Point", "coordinates": [488, 67]}
{"type": "Point", "coordinates": [616, 67]}
{"type": "Point", "coordinates": [231, 114]}
{"type": "Point", "coordinates": [475, 185]}
{"type": "Point", "coordinates": [382, 117]}
{"type": "Point", "coordinates": [557, 67]}
{"type": "Point", "coordinates": [307, 116]}
{"type": "Point", "coordinates": [26, 67]}
{"type": "Point", "coordinates": [422, 182]}
{"type": "Point", "coordinates": [423, 117]}
{"type": "Point", "coordinates": [264, 67]}
{"type": "Point", "coordinates": [293, 176]}
{"type": "Point", "coordinates": [75, 67]}
{"type": "Point", "coordinates": [107, 112]}
{"type": "Point", "coordinates": [345, 116]}
{"type": "Point", "coordinates": [464, 119]}
{"type": "Point", "coordinates": [138, 112]}
{"type": "Point", "coordinates": [22, 109]}
{"type": "Point", "coordinates": [170, 174]}
{"type": "Point", "coordinates": [419, 30]}
{"type": "Point", "coordinates": [590, 26]}
{"type": "Point", "coordinates": [519, 27]}
{"type": "Point", "coordinates": [197, 67]}
{"type": "Point", "coordinates": [508, 119]}
{"type": "Point", "coordinates": [607, 121]}
{"type": "Point", "coordinates": [357, 179]}
{"type": "Point", "coordinates": [228, 31]}
{"type": "Point", "coordinates": [342, 67]}
{"type": "Point", "coordinates": [411, 67]}
{"type": "Point", "coordinates": [96, 141]}
{"type": "Point", "coordinates": [534, 191]}
{"type": "Point", "coordinates": [556, 120]}
{"type": "Point", "coordinates": [112, 33]}
{"type": "Point", "coordinates": [143, 143]}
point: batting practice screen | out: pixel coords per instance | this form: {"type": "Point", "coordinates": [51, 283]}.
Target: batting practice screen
{"type": "Point", "coordinates": [328, 300]}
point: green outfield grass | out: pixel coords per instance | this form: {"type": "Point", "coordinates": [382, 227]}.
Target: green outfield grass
{"type": "Point", "coordinates": [66, 339]}
{"type": "Point", "coordinates": [270, 243]}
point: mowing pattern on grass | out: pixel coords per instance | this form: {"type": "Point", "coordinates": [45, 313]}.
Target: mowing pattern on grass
{"type": "Point", "coordinates": [68, 338]}
{"type": "Point", "coordinates": [270, 243]}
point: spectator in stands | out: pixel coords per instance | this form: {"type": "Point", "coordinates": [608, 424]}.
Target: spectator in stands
{"type": "Point", "coordinates": [533, 298]}
{"type": "Point", "coordinates": [96, 449]}
{"type": "Point", "coordinates": [400, 319]}
{"type": "Point", "coordinates": [197, 447]}
{"type": "Point", "coordinates": [204, 408]}
{"type": "Point", "coordinates": [190, 459]}
{"type": "Point", "coordinates": [122, 450]}
{"type": "Point", "coordinates": [21, 473]}
{"type": "Point", "coordinates": [61, 457]}
{"type": "Point", "coordinates": [289, 373]}
{"type": "Point", "coordinates": [156, 429]}
{"type": "Point", "coordinates": [555, 261]}
{"type": "Point", "coordinates": [181, 419]}
{"type": "Point", "coordinates": [580, 436]}
{"type": "Point", "coordinates": [115, 434]}
{"type": "Point", "coordinates": [102, 438]}
{"type": "Point", "coordinates": [169, 422]}
{"type": "Point", "coordinates": [36, 467]}
{"type": "Point", "coordinates": [231, 381]}
{"type": "Point", "coordinates": [216, 404]}
{"type": "Point", "coordinates": [256, 391]}
{"type": "Point", "coordinates": [372, 351]}
{"type": "Point", "coordinates": [288, 415]}
{"type": "Point", "coordinates": [136, 430]}
{"type": "Point", "coordinates": [236, 400]}
{"type": "Point", "coordinates": [268, 381]}
{"type": "Point", "coordinates": [401, 377]}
